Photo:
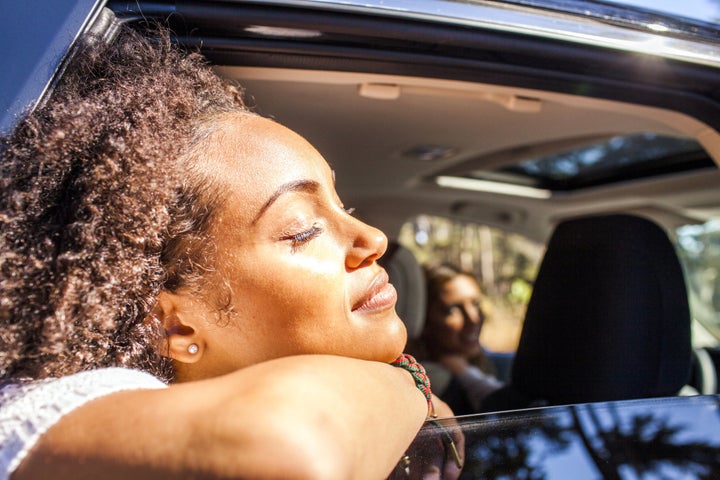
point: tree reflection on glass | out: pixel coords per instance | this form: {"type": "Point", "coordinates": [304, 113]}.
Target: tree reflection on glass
{"type": "Point", "coordinates": [643, 445]}
{"type": "Point", "coordinates": [652, 439]}
{"type": "Point", "coordinates": [515, 450]}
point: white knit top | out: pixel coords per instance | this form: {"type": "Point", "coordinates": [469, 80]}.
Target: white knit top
{"type": "Point", "coordinates": [29, 409]}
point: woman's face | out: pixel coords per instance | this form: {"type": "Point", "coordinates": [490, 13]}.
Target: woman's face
{"type": "Point", "coordinates": [455, 320]}
{"type": "Point", "coordinates": [301, 269]}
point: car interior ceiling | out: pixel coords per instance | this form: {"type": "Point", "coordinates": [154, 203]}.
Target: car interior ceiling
{"type": "Point", "coordinates": [366, 140]}
{"type": "Point", "coordinates": [371, 93]}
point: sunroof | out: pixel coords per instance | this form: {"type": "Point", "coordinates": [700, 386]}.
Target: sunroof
{"type": "Point", "coordinates": [617, 159]}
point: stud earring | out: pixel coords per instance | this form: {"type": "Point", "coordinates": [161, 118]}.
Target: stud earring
{"type": "Point", "coordinates": [193, 348]}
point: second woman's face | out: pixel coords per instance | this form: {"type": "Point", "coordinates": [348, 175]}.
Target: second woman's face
{"type": "Point", "coordinates": [454, 321]}
{"type": "Point", "coordinates": [300, 267]}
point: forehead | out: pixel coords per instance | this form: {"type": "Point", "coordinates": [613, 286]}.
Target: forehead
{"type": "Point", "coordinates": [252, 156]}
{"type": "Point", "coordinates": [460, 286]}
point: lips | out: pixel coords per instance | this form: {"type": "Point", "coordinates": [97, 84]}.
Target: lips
{"type": "Point", "coordinates": [380, 295]}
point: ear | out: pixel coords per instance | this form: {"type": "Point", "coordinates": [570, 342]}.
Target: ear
{"type": "Point", "coordinates": [179, 315]}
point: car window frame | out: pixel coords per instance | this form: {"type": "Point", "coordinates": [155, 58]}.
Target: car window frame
{"type": "Point", "coordinates": [35, 46]}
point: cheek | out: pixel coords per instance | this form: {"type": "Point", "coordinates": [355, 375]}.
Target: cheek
{"type": "Point", "coordinates": [453, 323]}
{"type": "Point", "coordinates": [289, 302]}
{"type": "Point", "coordinates": [288, 288]}
{"type": "Point", "coordinates": [443, 328]}
{"type": "Point", "coordinates": [277, 319]}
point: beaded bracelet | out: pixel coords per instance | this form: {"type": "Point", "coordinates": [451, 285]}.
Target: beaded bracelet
{"type": "Point", "coordinates": [422, 381]}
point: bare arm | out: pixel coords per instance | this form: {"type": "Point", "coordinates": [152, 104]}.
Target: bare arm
{"type": "Point", "coordinates": [301, 417]}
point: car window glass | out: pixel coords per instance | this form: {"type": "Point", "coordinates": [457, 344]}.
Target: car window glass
{"type": "Point", "coordinates": [659, 438]}
{"type": "Point", "coordinates": [618, 158]}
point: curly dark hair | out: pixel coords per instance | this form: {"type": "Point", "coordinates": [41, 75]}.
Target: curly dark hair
{"type": "Point", "coordinates": [101, 207]}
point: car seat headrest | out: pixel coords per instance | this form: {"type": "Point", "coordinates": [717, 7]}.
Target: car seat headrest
{"type": "Point", "coordinates": [407, 276]}
{"type": "Point", "coordinates": [608, 318]}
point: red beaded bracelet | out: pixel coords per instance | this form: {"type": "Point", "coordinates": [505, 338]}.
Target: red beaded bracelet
{"type": "Point", "coordinates": [422, 381]}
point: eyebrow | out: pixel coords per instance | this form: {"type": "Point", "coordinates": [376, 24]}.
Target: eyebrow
{"type": "Point", "coordinates": [309, 186]}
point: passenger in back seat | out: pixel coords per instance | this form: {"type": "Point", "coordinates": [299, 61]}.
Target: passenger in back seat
{"type": "Point", "coordinates": [460, 371]}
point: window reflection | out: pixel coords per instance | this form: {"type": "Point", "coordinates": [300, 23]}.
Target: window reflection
{"type": "Point", "coordinates": [676, 438]}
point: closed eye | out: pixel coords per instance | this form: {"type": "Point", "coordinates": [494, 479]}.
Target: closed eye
{"type": "Point", "coordinates": [299, 240]}
{"type": "Point", "coordinates": [451, 309]}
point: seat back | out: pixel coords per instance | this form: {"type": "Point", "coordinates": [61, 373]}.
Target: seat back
{"type": "Point", "coordinates": [408, 278]}
{"type": "Point", "coordinates": [608, 318]}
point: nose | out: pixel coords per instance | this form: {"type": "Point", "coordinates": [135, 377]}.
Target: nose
{"type": "Point", "coordinates": [367, 244]}
{"type": "Point", "coordinates": [472, 313]}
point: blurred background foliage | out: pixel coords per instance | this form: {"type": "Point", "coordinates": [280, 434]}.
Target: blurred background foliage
{"type": "Point", "coordinates": [698, 247]}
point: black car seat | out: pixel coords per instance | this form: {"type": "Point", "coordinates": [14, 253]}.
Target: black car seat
{"type": "Point", "coordinates": [608, 318]}
{"type": "Point", "coordinates": [408, 278]}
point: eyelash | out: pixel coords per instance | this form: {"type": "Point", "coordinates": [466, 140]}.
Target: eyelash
{"type": "Point", "coordinates": [299, 240]}
{"type": "Point", "coordinates": [450, 309]}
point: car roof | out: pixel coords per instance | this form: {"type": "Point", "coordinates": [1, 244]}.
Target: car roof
{"type": "Point", "coordinates": [698, 10]}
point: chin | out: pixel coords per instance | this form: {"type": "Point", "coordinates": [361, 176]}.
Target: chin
{"type": "Point", "coordinates": [398, 346]}
{"type": "Point", "coordinates": [381, 340]}
{"type": "Point", "coordinates": [472, 352]}
{"type": "Point", "coordinates": [390, 345]}
{"type": "Point", "coordinates": [386, 355]}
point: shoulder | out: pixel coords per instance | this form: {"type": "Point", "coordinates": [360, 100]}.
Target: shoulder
{"type": "Point", "coordinates": [29, 408]}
